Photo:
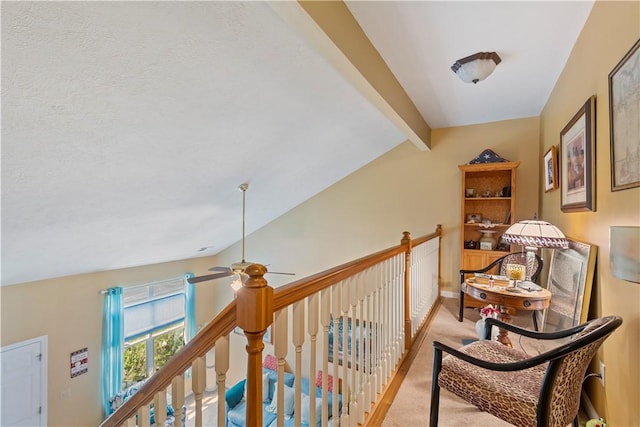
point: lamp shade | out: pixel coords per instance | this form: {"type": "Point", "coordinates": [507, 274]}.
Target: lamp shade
{"type": "Point", "coordinates": [535, 233]}
{"type": "Point", "coordinates": [476, 67]}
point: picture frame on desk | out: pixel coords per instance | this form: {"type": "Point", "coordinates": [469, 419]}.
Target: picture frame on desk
{"type": "Point", "coordinates": [577, 160]}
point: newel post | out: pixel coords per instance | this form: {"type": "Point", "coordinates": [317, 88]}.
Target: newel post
{"type": "Point", "coordinates": [254, 314]}
{"type": "Point", "coordinates": [406, 242]}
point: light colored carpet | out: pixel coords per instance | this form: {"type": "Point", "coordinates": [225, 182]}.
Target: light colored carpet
{"type": "Point", "coordinates": [411, 405]}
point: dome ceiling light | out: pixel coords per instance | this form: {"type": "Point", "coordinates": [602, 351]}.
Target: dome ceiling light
{"type": "Point", "coordinates": [476, 67]}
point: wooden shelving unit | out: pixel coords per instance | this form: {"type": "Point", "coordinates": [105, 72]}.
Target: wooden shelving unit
{"type": "Point", "coordinates": [494, 200]}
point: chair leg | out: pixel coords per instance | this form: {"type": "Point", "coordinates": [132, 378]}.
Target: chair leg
{"type": "Point", "coordinates": [435, 388]}
{"type": "Point", "coordinates": [575, 422]}
{"type": "Point", "coordinates": [461, 312]}
{"type": "Point", "coordinates": [535, 321]}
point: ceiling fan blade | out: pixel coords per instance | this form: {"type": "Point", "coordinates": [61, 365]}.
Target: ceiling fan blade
{"type": "Point", "coordinates": [209, 277]}
{"type": "Point", "coordinates": [277, 272]}
{"type": "Point", "coordinates": [220, 269]}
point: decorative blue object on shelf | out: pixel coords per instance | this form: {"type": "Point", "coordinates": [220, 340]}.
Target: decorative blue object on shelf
{"type": "Point", "coordinates": [487, 156]}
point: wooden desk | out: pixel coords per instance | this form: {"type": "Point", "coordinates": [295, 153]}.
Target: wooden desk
{"type": "Point", "coordinates": [505, 297]}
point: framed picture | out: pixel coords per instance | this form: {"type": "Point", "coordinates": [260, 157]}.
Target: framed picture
{"type": "Point", "coordinates": [551, 169]}
{"type": "Point", "coordinates": [624, 252]}
{"type": "Point", "coordinates": [577, 160]}
{"type": "Point", "coordinates": [624, 121]}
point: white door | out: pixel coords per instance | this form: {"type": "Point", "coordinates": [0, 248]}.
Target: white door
{"type": "Point", "coordinates": [24, 376]}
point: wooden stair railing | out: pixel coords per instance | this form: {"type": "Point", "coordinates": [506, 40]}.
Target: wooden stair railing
{"type": "Point", "coordinates": [387, 292]}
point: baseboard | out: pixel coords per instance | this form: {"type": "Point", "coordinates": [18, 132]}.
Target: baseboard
{"type": "Point", "coordinates": [449, 294]}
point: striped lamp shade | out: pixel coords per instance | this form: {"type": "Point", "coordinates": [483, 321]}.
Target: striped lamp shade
{"type": "Point", "coordinates": [535, 233]}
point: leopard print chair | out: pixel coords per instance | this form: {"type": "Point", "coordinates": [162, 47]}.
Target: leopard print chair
{"type": "Point", "coordinates": [542, 390]}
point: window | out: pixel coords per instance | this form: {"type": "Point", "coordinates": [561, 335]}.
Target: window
{"type": "Point", "coordinates": [154, 327]}
{"type": "Point", "coordinates": [142, 327]}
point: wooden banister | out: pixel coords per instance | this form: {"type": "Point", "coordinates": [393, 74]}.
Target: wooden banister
{"type": "Point", "coordinates": [181, 361]}
{"type": "Point", "coordinates": [253, 310]}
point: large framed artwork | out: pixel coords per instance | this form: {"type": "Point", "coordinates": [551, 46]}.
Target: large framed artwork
{"type": "Point", "coordinates": [577, 160]}
{"type": "Point", "coordinates": [624, 121]}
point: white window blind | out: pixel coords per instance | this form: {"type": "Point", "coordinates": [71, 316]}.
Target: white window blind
{"type": "Point", "coordinates": [153, 306]}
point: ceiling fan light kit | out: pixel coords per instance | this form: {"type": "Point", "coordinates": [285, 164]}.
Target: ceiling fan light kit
{"type": "Point", "coordinates": [237, 268]}
{"type": "Point", "coordinates": [476, 67]}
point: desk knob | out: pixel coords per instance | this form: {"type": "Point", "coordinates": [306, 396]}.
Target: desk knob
{"type": "Point", "coordinates": [483, 295]}
{"type": "Point", "coordinates": [526, 303]}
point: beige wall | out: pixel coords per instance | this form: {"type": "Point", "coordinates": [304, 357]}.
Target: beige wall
{"type": "Point", "coordinates": [406, 189]}
{"type": "Point", "coordinates": [69, 311]}
{"type": "Point", "coordinates": [611, 30]}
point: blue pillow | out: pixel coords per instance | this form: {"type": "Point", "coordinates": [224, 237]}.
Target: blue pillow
{"type": "Point", "coordinates": [234, 395]}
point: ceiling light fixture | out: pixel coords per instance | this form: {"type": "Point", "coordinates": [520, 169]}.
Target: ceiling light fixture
{"type": "Point", "coordinates": [476, 67]}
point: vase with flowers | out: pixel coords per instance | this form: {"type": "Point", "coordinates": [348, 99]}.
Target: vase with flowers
{"type": "Point", "coordinates": [485, 313]}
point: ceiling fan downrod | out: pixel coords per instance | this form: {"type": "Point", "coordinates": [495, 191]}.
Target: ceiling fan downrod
{"type": "Point", "coordinates": [243, 188]}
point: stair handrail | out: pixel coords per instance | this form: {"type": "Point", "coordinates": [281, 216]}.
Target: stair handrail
{"type": "Point", "coordinates": [226, 321]}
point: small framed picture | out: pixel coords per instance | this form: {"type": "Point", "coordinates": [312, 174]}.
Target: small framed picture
{"type": "Point", "coordinates": [474, 217]}
{"type": "Point", "coordinates": [551, 169]}
{"type": "Point", "coordinates": [577, 160]}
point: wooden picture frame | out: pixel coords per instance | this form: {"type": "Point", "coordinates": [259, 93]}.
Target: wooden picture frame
{"type": "Point", "coordinates": [624, 121]}
{"type": "Point", "coordinates": [577, 160]}
{"type": "Point", "coordinates": [570, 281]}
{"type": "Point", "coordinates": [551, 169]}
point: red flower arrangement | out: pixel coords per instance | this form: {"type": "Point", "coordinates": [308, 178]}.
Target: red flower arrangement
{"type": "Point", "coordinates": [489, 311]}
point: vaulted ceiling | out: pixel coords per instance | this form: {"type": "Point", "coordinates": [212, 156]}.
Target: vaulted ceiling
{"type": "Point", "coordinates": [128, 126]}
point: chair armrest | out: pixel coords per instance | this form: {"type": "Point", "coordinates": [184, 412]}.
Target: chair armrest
{"type": "Point", "coordinates": [483, 269]}
{"type": "Point", "coordinates": [532, 334]}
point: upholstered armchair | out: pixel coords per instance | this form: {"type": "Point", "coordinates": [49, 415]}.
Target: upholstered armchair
{"type": "Point", "coordinates": [542, 390]}
{"type": "Point", "coordinates": [501, 264]}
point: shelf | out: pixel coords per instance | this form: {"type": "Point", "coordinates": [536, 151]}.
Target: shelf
{"type": "Point", "coordinates": [475, 224]}
{"type": "Point", "coordinates": [486, 251]}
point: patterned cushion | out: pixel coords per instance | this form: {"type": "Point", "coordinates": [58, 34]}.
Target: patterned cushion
{"type": "Point", "coordinates": [511, 396]}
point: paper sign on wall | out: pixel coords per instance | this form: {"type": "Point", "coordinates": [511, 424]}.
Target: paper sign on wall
{"type": "Point", "coordinates": [79, 362]}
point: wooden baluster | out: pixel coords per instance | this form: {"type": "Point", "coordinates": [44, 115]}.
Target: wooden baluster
{"type": "Point", "coordinates": [143, 415]}
{"type": "Point", "coordinates": [377, 310]}
{"type": "Point", "coordinates": [177, 399]}
{"type": "Point", "coordinates": [350, 327]}
{"type": "Point", "coordinates": [367, 332]}
{"type": "Point", "coordinates": [375, 355]}
{"type": "Point", "coordinates": [222, 366]}
{"type": "Point", "coordinates": [160, 408]}
{"type": "Point", "coordinates": [254, 314]}
{"type": "Point", "coordinates": [406, 302]}
{"type": "Point", "coordinates": [325, 319]}
{"type": "Point", "coordinates": [312, 328]}
{"type": "Point", "coordinates": [358, 344]}
{"type": "Point", "coordinates": [336, 310]}
{"type": "Point", "coordinates": [346, 411]}
{"type": "Point", "coordinates": [281, 336]}
{"type": "Point", "coordinates": [198, 382]}
{"type": "Point", "coordinates": [298, 341]}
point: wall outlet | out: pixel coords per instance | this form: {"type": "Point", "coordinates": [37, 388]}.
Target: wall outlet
{"type": "Point", "coordinates": [602, 371]}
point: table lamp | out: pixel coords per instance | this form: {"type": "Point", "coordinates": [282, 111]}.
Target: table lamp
{"type": "Point", "coordinates": [534, 234]}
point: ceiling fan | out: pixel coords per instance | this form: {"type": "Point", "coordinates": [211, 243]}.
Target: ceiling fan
{"type": "Point", "coordinates": [237, 268]}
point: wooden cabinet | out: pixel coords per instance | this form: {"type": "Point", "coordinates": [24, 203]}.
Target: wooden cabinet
{"type": "Point", "coordinates": [491, 208]}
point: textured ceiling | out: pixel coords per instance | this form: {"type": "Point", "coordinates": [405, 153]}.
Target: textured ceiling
{"type": "Point", "coordinates": [128, 126]}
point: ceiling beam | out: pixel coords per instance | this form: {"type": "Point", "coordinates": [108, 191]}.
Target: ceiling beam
{"type": "Point", "coordinates": [332, 29]}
